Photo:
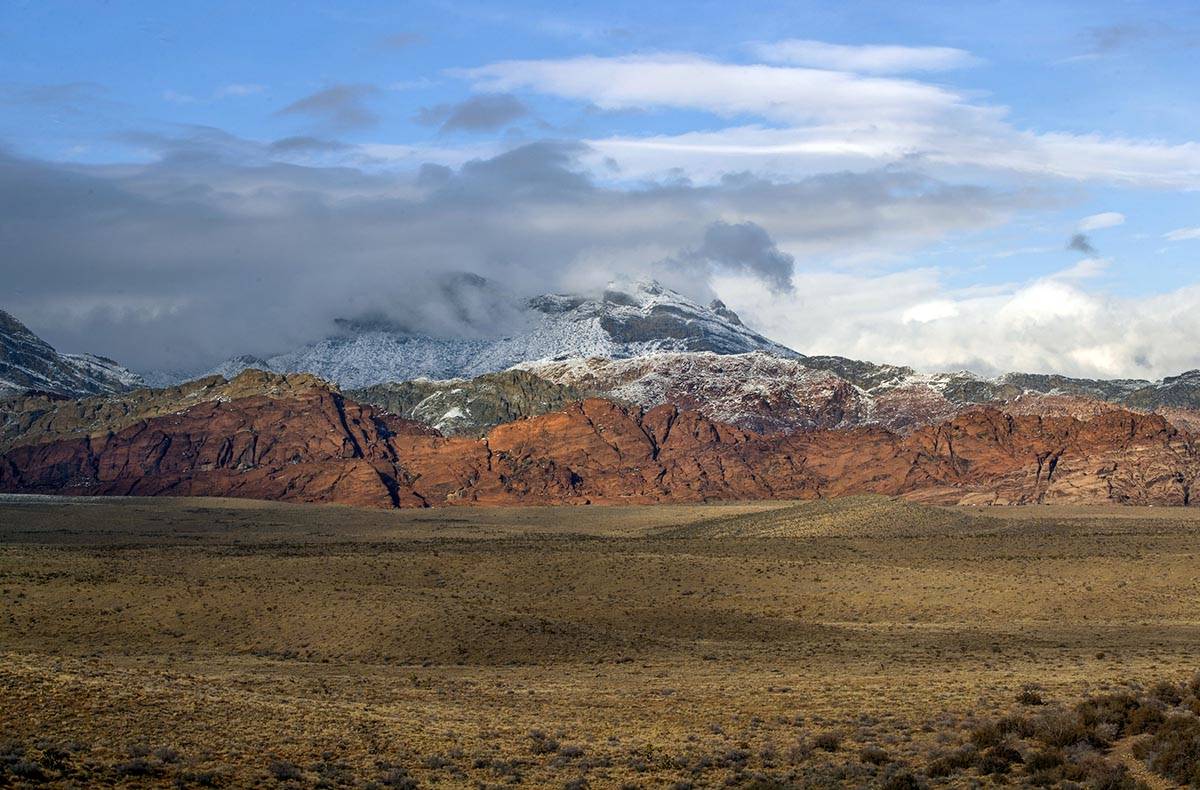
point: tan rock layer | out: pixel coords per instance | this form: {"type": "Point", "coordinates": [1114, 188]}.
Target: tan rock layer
{"type": "Point", "coordinates": [317, 446]}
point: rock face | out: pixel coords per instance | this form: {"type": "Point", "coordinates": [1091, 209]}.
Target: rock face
{"type": "Point", "coordinates": [312, 444]}
{"type": "Point", "coordinates": [469, 406]}
{"type": "Point", "coordinates": [28, 363]}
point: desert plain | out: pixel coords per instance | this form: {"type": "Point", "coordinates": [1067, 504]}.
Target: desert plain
{"type": "Point", "coordinates": [860, 642]}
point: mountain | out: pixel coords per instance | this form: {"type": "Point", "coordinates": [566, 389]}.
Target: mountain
{"type": "Point", "coordinates": [29, 363]}
{"type": "Point", "coordinates": [626, 320]}
{"type": "Point", "coordinates": [769, 394]}
{"type": "Point", "coordinates": [469, 406]}
{"type": "Point", "coordinates": [292, 439]}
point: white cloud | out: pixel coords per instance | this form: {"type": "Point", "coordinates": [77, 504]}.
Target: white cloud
{"type": "Point", "coordinates": [821, 120]}
{"type": "Point", "coordinates": [876, 59]}
{"type": "Point", "coordinates": [238, 89]}
{"type": "Point", "coordinates": [1106, 219]}
{"type": "Point", "coordinates": [1183, 234]}
{"type": "Point", "coordinates": [930, 311]}
{"type": "Point", "coordinates": [1049, 325]}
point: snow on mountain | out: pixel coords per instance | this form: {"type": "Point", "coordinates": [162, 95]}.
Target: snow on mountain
{"type": "Point", "coordinates": [29, 363]}
{"type": "Point", "coordinates": [769, 394]}
{"type": "Point", "coordinates": [627, 320]}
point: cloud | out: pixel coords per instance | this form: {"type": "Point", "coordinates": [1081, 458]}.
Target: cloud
{"type": "Point", "coordinates": [873, 59]}
{"type": "Point", "coordinates": [1182, 234]}
{"type": "Point", "coordinates": [239, 89]}
{"type": "Point", "coordinates": [481, 113]}
{"type": "Point", "coordinates": [1107, 219]}
{"type": "Point", "coordinates": [338, 107]}
{"type": "Point", "coordinates": [216, 248]}
{"type": "Point", "coordinates": [794, 121]}
{"type": "Point", "coordinates": [306, 144]}
{"type": "Point", "coordinates": [745, 247]}
{"type": "Point", "coordinates": [1081, 243]}
{"type": "Point", "coordinates": [1042, 325]}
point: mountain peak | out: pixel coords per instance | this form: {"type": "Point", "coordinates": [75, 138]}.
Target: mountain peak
{"type": "Point", "coordinates": [28, 363]}
{"type": "Point", "coordinates": [626, 319]}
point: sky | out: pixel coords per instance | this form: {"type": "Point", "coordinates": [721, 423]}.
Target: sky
{"type": "Point", "coordinates": [993, 186]}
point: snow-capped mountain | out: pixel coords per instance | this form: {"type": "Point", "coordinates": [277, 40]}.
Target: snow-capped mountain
{"type": "Point", "coordinates": [769, 394]}
{"type": "Point", "coordinates": [626, 320]}
{"type": "Point", "coordinates": [29, 363]}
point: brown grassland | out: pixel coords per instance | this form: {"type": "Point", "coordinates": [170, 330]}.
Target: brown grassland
{"type": "Point", "coordinates": [861, 642]}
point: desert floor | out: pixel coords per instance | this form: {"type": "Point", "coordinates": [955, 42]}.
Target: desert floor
{"type": "Point", "coordinates": [853, 643]}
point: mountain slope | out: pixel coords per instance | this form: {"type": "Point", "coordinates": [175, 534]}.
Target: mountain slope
{"type": "Point", "coordinates": [627, 320]}
{"type": "Point", "coordinates": [469, 406]}
{"type": "Point", "coordinates": [29, 363]}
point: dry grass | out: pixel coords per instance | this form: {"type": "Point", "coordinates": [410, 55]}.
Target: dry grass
{"type": "Point", "coordinates": [861, 643]}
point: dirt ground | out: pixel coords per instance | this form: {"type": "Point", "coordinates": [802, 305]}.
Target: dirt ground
{"type": "Point", "coordinates": [846, 643]}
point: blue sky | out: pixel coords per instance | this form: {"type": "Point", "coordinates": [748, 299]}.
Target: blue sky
{"type": "Point", "coordinates": [925, 165]}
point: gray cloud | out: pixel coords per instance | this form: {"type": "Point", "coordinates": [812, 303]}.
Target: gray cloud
{"type": "Point", "coordinates": [339, 106]}
{"type": "Point", "coordinates": [749, 248]}
{"type": "Point", "coordinates": [216, 248]}
{"type": "Point", "coordinates": [480, 113]}
{"type": "Point", "coordinates": [305, 144]}
{"type": "Point", "coordinates": [1081, 243]}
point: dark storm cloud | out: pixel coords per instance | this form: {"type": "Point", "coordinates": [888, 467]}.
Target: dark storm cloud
{"type": "Point", "coordinates": [216, 248]}
{"type": "Point", "coordinates": [339, 106]}
{"type": "Point", "coordinates": [747, 247]}
{"type": "Point", "coordinates": [1081, 243]}
{"type": "Point", "coordinates": [481, 113]}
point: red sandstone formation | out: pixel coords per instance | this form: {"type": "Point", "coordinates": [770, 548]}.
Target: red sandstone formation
{"type": "Point", "coordinates": [317, 446]}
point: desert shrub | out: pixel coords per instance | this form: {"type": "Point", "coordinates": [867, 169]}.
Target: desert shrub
{"type": "Point", "coordinates": [827, 741]}
{"type": "Point", "coordinates": [1044, 759]}
{"type": "Point", "coordinates": [953, 762]}
{"type": "Point", "coordinates": [798, 752]}
{"type": "Point", "coordinates": [1166, 693]}
{"type": "Point", "coordinates": [1113, 710]}
{"type": "Point", "coordinates": [903, 779]}
{"type": "Point", "coordinates": [393, 776]}
{"type": "Point", "coordinates": [998, 759]}
{"type": "Point", "coordinates": [1061, 728]}
{"type": "Point", "coordinates": [29, 771]}
{"type": "Point", "coordinates": [1174, 750]}
{"type": "Point", "coordinates": [1145, 718]}
{"type": "Point", "coordinates": [166, 754]}
{"type": "Point", "coordinates": [138, 766]}
{"type": "Point", "coordinates": [284, 771]}
{"type": "Point", "coordinates": [986, 734]}
{"type": "Point", "coordinates": [876, 755]}
{"type": "Point", "coordinates": [1030, 695]}
{"type": "Point", "coordinates": [541, 743]}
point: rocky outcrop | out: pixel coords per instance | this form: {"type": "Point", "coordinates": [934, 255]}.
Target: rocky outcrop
{"type": "Point", "coordinates": [316, 445]}
{"type": "Point", "coordinates": [28, 363]}
{"type": "Point", "coordinates": [469, 406]}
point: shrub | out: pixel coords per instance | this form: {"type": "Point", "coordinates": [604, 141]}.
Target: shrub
{"type": "Point", "coordinates": [873, 754]}
{"type": "Point", "coordinates": [284, 771]}
{"type": "Point", "coordinates": [1060, 728]}
{"type": "Point", "coordinates": [1030, 696]}
{"type": "Point", "coordinates": [1174, 750]}
{"type": "Point", "coordinates": [903, 779]}
{"type": "Point", "coordinates": [952, 762]}
{"type": "Point", "coordinates": [998, 759]}
{"type": "Point", "coordinates": [828, 741]}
